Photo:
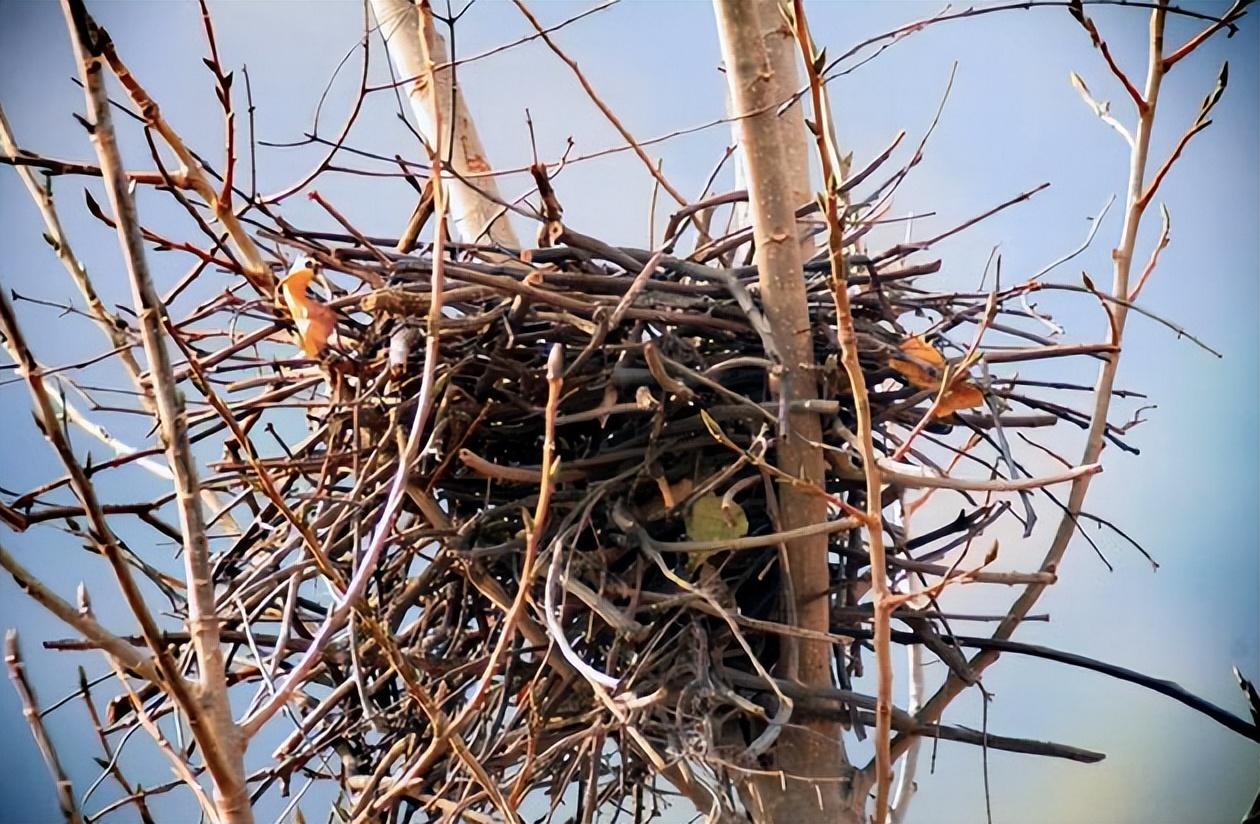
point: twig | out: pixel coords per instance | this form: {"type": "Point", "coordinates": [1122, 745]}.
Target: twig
{"type": "Point", "coordinates": [600, 104]}
{"type": "Point", "coordinates": [85, 624]}
{"type": "Point", "coordinates": [97, 44]}
{"type": "Point", "coordinates": [897, 473]}
{"type": "Point", "coordinates": [1236, 12]}
{"type": "Point", "coordinates": [1123, 257]}
{"type": "Point", "coordinates": [834, 207]}
{"type": "Point", "coordinates": [1077, 10]}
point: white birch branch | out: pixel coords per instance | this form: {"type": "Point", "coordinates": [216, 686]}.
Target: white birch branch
{"type": "Point", "coordinates": [905, 788]}
{"type": "Point", "coordinates": [474, 207]}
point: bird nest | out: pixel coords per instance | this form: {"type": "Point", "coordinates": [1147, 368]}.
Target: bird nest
{"type": "Point", "coordinates": [548, 506]}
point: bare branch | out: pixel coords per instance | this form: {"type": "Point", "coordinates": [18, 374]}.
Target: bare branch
{"type": "Point", "coordinates": [88, 626]}
{"type": "Point", "coordinates": [1077, 10]}
{"type": "Point", "coordinates": [1237, 11]}
{"type": "Point", "coordinates": [601, 105]}
{"type": "Point", "coordinates": [214, 729]}
{"type": "Point", "coordinates": [30, 709]}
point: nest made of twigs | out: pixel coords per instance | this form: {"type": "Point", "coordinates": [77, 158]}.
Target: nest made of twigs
{"type": "Point", "coordinates": [668, 395]}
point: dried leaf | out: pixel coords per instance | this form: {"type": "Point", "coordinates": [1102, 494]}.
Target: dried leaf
{"type": "Point", "coordinates": [961, 395]}
{"type": "Point", "coordinates": [315, 322]}
{"type": "Point", "coordinates": [924, 368]}
{"type": "Point", "coordinates": [913, 370]}
{"type": "Point", "coordinates": [674, 494]}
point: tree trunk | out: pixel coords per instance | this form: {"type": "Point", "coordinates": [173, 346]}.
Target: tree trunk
{"type": "Point", "coordinates": [474, 201]}
{"type": "Point", "coordinates": [784, 81]}
{"type": "Point", "coordinates": [812, 748]}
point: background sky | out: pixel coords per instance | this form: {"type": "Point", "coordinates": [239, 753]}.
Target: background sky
{"type": "Point", "coordinates": [1011, 122]}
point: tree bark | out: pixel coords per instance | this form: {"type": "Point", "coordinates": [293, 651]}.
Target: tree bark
{"type": "Point", "coordinates": [812, 748]}
{"type": "Point", "coordinates": [784, 81]}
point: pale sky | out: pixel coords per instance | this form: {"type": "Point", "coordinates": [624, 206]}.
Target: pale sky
{"type": "Point", "coordinates": [1012, 121]}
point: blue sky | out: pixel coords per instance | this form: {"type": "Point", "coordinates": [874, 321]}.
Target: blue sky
{"type": "Point", "coordinates": [1012, 121]}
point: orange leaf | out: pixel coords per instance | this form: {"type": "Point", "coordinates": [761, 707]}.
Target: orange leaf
{"type": "Point", "coordinates": [925, 367]}
{"type": "Point", "coordinates": [315, 322]}
{"type": "Point", "coordinates": [912, 368]}
{"type": "Point", "coordinates": [961, 395]}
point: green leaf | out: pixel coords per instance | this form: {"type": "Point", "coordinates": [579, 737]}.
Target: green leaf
{"type": "Point", "coordinates": [708, 520]}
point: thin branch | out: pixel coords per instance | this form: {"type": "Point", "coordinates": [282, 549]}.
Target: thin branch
{"type": "Point", "coordinates": [30, 710]}
{"type": "Point", "coordinates": [1077, 10]}
{"type": "Point", "coordinates": [191, 173]}
{"type": "Point", "coordinates": [600, 104]}
{"type": "Point", "coordinates": [214, 729]}
{"type": "Point", "coordinates": [1165, 237]}
{"type": "Point", "coordinates": [85, 624]}
{"type": "Point", "coordinates": [1237, 11]}
{"type": "Point", "coordinates": [914, 477]}
{"type": "Point", "coordinates": [1122, 260]}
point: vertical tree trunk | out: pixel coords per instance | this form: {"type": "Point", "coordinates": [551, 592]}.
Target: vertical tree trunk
{"type": "Point", "coordinates": [812, 747]}
{"type": "Point", "coordinates": [782, 53]}
{"type": "Point", "coordinates": [411, 38]}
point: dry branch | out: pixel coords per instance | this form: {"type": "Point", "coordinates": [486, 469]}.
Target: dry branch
{"type": "Point", "coordinates": [30, 709]}
{"type": "Point", "coordinates": [215, 730]}
{"type": "Point", "coordinates": [1117, 312]}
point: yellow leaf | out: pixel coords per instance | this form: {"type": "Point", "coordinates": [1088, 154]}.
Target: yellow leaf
{"type": "Point", "coordinates": [708, 520]}
{"type": "Point", "coordinates": [315, 322]}
{"type": "Point", "coordinates": [924, 368]}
